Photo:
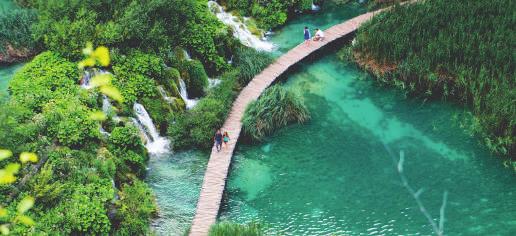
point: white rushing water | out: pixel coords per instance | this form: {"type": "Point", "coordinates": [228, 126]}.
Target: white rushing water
{"type": "Point", "coordinates": [213, 82]}
{"type": "Point", "coordinates": [155, 144]}
{"type": "Point", "coordinates": [164, 94]}
{"type": "Point", "coordinates": [240, 30]}
{"type": "Point", "coordinates": [315, 7]}
{"type": "Point", "coordinates": [190, 103]}
{"type": "Point", "coordinates": [89, 74]}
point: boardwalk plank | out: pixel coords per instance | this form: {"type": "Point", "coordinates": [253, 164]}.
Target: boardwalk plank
{"type": "Point", "coordinates": [218, 166]}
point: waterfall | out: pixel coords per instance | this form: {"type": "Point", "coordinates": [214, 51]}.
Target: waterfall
{"type": "Point", "coordinates": [104, 132]}
{"type": "Point", "coordinates": [190, 103]}
{"type": "Point", "coordinates": [315, 7]}
{"type": "Point", "coordinates": [163, 93]}
{"type": "Point", "coordinates": [108, 109]}
{"type": "Point", "coordinates": [89, 74]}
{"type": "Point", "coordinates": [187, 55]}
{"type": "Point", "coordinates": [213, 82]}
{"type": "Point", "coordinates": [240, 30]}
{"type": "Point", "coordinates": [155, 144]}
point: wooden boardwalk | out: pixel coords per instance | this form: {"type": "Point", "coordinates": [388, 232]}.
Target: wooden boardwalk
{"type": "Point", "coordinates": [219, 163]}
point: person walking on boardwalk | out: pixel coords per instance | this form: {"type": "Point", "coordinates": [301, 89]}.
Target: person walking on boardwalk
{"type": "Point", "coordinates": [307, 36]}
{"type": "Point", "coordinates": [226, 139]}
{"type": "Point", "coordinates": [218, 140]}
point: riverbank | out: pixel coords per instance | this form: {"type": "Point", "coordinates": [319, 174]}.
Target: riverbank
{"type": "Point", "coordinates": [342, 156]}
{"type": "Point", "coordinates": [458, 57]}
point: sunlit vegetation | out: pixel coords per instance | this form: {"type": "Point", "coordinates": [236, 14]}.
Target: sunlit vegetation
{"type": "Point", "coordinates": [196, 127]}
{"type": "Point", "coordinates": [268, 13]}
{"type": "Point", "coordinates": [456, 50]}
{"type": "Point", "coordinates": [276, 108]}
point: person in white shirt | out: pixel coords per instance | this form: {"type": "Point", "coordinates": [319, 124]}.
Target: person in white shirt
{"type": "Point", "coordinates": [319, 35]}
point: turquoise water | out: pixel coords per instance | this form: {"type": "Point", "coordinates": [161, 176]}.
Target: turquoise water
{"type": "Point", "coordinates": [334, 175]}
{"type": "Point", "coordinates": [176, 181]}
{"type": "Point", "coordinates": [6, 74]}
{"type": "Point", "coordinates": [6, 5]}
{"type": "Point", "coordinates": [291, 34]}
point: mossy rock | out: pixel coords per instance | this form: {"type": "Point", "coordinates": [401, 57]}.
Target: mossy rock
{"type": "Point", "coordinates": [178, 104]}
{"type": "Point", "coordinates": [195, 77]}
{"type": "Point", "coordinates": [172, 77]}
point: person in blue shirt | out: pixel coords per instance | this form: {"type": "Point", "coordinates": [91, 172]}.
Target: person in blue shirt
{"type": "Point", "coordinates": [307, 36]}
{"type": "Point", "coordinates": [218, 140]}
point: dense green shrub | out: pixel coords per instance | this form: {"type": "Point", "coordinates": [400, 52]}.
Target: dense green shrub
{"type": "Point", "coordinates": [195, 127]}
{"type": "Point", "coordinates": [135, 208]}
{"type": "Point", "coordinates": [276, 108]}
{"type": "Point", "coordinates": [46, 77]}
{"type": "Point", "coordinates": [126, 138]}
{"type": "Point", "coordinates": [463, 50]}
{"type": "Point", "coordinates": [250, 62]}
{"type": "Point", "coordinates": [195, 77]}
{"type": "Point", "coordinates": [226, 228]}
{"type": "Point", "coordinates": [269, 13]}
{"type": "Point", "coordinates": [83, 212]}
{"type": "Point", "coordinates": [69, 123]}
{"type": "Point", "coordinates": [130, 156]}
{"type": "Point", "coordinates": [171, 80]}
{"type": "Point", "coordinates": [16, 32]}
{"type": "Point", "coordinates": [152, 25]}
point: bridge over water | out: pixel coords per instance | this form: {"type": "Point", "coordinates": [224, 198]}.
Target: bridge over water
{"type": "Point", "coordinates": [218, 166]}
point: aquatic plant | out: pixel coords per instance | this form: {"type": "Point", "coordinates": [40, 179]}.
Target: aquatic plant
{"type": "Point", "coordinates": [16, 41]}
{"type": "Point", "coordinates": [229, 228]}
{"type": "Point", "coordinates": [458, 50]}
{"type": "Point", "coordinates": [250, 62]}
{"type": "Point", "coordinates": [276, 108]}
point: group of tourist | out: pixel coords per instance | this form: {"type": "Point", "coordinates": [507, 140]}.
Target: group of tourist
{"type": "Point", "coordinates": [319, 35]}
{"type": "Point", "coordinates": [219, 138]}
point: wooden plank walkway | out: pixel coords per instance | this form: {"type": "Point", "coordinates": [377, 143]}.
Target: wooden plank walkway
{"type": "Point", "coordinates": [218, 165]}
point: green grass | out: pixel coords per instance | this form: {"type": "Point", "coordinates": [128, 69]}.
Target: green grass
{"type": "Point", "coordinates": [457, 50]}
{"type": "Point", "coordinates": [276, 108]}
{"type": "Point", "coordinates": [233, 229]}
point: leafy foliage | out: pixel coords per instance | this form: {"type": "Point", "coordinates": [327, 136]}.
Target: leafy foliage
{"type": "Point", "coordinates": [135, 207]}
{"type": "Point", "coordinates": [195, 127]}
{"type": "Point", "coordinates": [16, 31]}
{"type": "Point", "coordinates": [276, 108]}
{"type": "Point", "coordinates": [47, 77]}
{"type": "Point", "coordinates": [154, 25]}
{"type": "Point", "coordinates": [452, 49]}
{"type": "Point", "coordinates": [196, 78]}
{"type": "Point", "coordinates": [269, 13]}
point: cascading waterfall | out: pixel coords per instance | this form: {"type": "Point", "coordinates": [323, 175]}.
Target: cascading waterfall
{"type": "Point", "coordinates": [164, 94]}
{"type": "Point", "coordinates": [89, 74]}
{"type": "Point", "coordinates": [187, 55]}
{"type": "Point", "coordinates": [315, 7]}
{"type": "Point", "coordinates": [213, 82]}
{"type": "Point", "coordinates": [155, 144]}
{"type": "Point", "coordinates": [240, 30]}
{"type": "Point", "coordinates": [107, 108]}
{"type": "Point", "coordinates": [190, 103]}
